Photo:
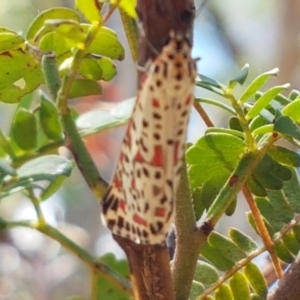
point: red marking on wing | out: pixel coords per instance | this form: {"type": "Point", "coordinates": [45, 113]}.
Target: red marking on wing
{"type": "Point", "coordinates": [160, 211]}
{"type": "Point", "coordinates": [117, 182]}
{"type": "Point", "coordinates": [133, 184]}
{"type": "Point", "coordinates": [157, 159]}
{"type": "Point", "coordinates": [122, 204]}
{"type": "Point", "coordinates": [155, 102]}
{"type": "Point", "coordinates": [188, 100]}
{"type": "Point", "coordinates": [140, 221]}
{"type": "Point", "coordinates": [139, 158]}
{"type": "Point", "coordinates": [176, 158]}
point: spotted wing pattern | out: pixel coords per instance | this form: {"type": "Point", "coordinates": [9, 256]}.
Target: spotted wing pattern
{"type": "Point", "coordinates": [139, 204]}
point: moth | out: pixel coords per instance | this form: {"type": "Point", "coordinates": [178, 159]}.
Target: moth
{"type": "Point", "coordinates": [139, 204]}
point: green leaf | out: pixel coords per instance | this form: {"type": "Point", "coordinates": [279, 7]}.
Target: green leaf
{"type": "Point", "coordinates": [273, 218]}
{"type": "Point", "coordinates": [216, 103]}
{"type": "Point", "coordinates": [229, 250]}
{"type": "Point", "coordinates": [291, 242]}
{"type": "Point", "coordinates": [197, 203]}
{"type": "Point", "coordinates": [242, 240]}
{"type": "Point", "coordinates": [128, 6]}
{"type": "Point", "coordinates": [105, 289]}
{"type": "Point", "coordinates": [10, 40]}
{"type": "Point", "coordinates": [213, 154]}
{"type": "Point", "coordinates": [197, 289]}
{"type": "Point", "coordinates": [6, 169]}
{"type": "Point", "coordinates": [53, 187]}
{"type": "Point", "coordinates": [231, 208]}
{"type": "Point", "coordinates": [70, 30]}
{"type": "Point", "coordinates": [291, 190]}
{"type": "Point", "coordinates": [97, 120]}
{"type": "Point", "coordinates": [239, 286]}
{"type": "Point", "coordinates": [296, 231]}
{"type": "Point", "coordinates": [240, 77]}
{"type": "Point", "coordinates": [264, 100]}
{"type": "Point", "coordinates": [263, 130]}
{"type": "Point", "coordinates": [280, 205]}
{"type": "Point", "coordinates": [294, 94]}
{"type": "Point", "coordinates": [283, 253]}
{"type": "Point", "coordinates": [51, 168]}
{"type": "Point", "coordinates": [256, 84]}
{"type": "Point", "coordinates": [49, 119]}
{"type": "Point", "coordinates": [268, 181]}
{"type": "Point", "coordinates": [53, 13]}
{"type": "Point", "coordinates": [90, 69]}
{"type": "Point", "coordinates": [286, 126]}
{"type": "Point", "coordinates": [90, 9]}
{"type": "Point", "coordinates": [284, 156]}
{"type": "Point", "coordinates": [210, 82]}
{"type": "Point", "coordinates": [251, 221]}
{"type": "Point", "coordinates": [47, 167]}
{"type": "Point", "coordinates": [216, 257]}
{"type": "Point", "coordinates": [109, 69]}
{"type": "Point", "coordinates": [292, 110]}
{"type": "Point", "coordinates": [282, 172]}
{"type": "Point", "coordinates": [211, 85]}
{"type": "Point", "coordinates": [282, 99]}
{"type": "Point", "coordinates": [84, 87]}
{"type": "Point", "coordinates": [24, 129]}
{"type": "Point", "coordinates": [55, 42]}
{"type": "Point", "coordinates": [265, 166]}
{"type": "Point", "coordinates": [20, 74]}
{"type": "Point", "coordinates": [225, 130]}
{"type": "Point", "coordinates": [235, 124]}
{"type": "Point", "coordinates": [106, 43]}
{"type": "Point", "coordinates": [210, 190]}
{"type": "Point", "coordinates": [256, 279]}
{"type": "Point", "coordinates": [257, 122]}
{"type": "Point", "coordinates": [205, 273]}
{"type": "Point", "coordinates": [223, 293]}
{"type": "Point", "coordinates": [256, 187]}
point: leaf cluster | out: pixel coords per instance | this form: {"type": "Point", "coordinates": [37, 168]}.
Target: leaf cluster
{"type": "Point", "coordinates": [246, 155]}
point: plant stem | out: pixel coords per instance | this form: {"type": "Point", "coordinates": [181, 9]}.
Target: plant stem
{"type": "Point", "coordinates": [263, 231]}
{"type": "Point", "coordinates": [81, 154]}
{"type": "Point", "coordinates": [188, 240]}
{"type": "Point", "coordinates": [87, 258]}
{"type": "Point", "coordinates": [205, 117]}
{"type": "Point", "coordinates": [36, 203]}
{"type": "Point", "coordinates": [250, 142]}
{"type": "Point", "coordinates": [131, 31]}
{"type": "Point", "coordinates": [51, 75]}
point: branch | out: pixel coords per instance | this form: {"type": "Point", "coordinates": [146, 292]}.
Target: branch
{"type": "Point", "coordinates": [288, 287]}
{"type": "Point", "coordinates": [68, 244]}
{"type": "Point", "coordinates": [188, 240]}
{"type": "Point", "coordinates": [158, 18]}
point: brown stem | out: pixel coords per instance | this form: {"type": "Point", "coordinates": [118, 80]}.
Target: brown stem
{"type": "Point", "coordinates": [262, 229]}
{"type": "Point", "coordinates": [288, 287]}
{"type": "Point", "coordinates": [158, 18]}
{"type": "Point", "coordinates": [204, 116]}
{"type": "Point", "coordinates": [150, 270]}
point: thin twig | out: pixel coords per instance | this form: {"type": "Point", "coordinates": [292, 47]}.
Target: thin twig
{"type": "Point", "coordinates": [263, 231]}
